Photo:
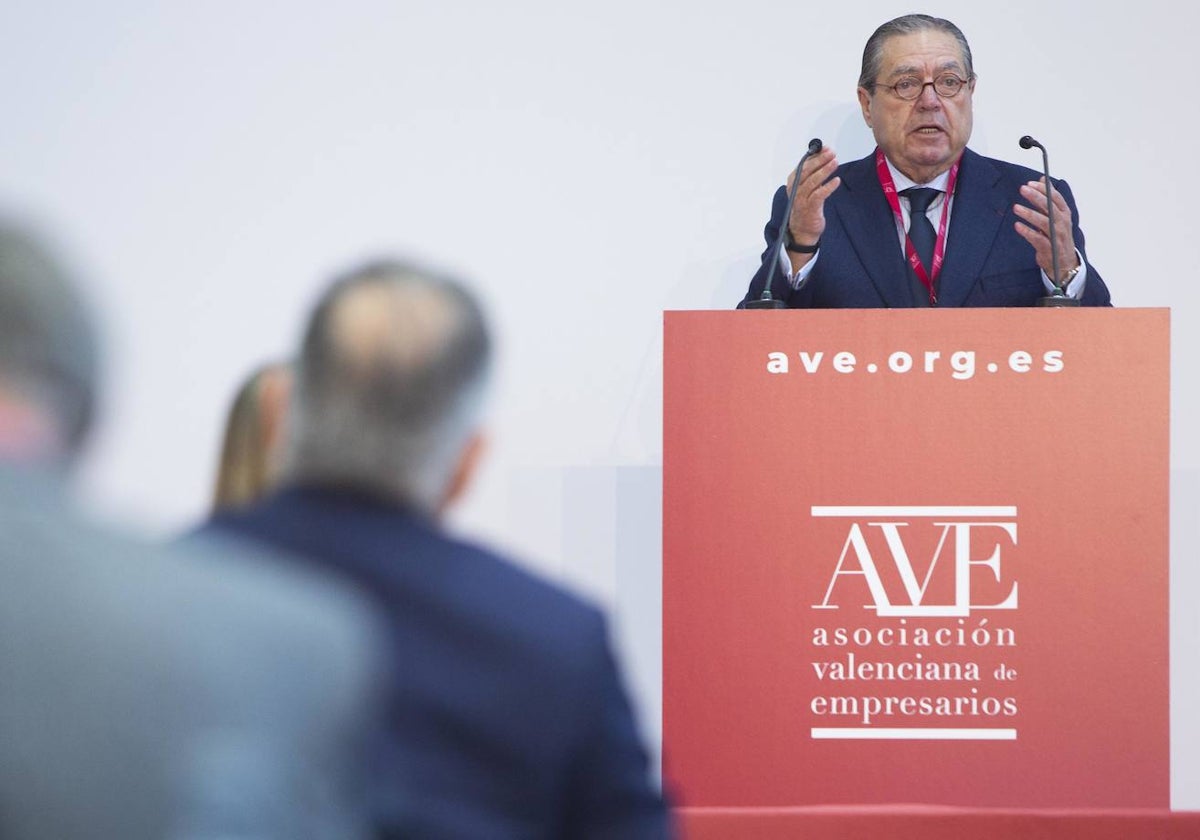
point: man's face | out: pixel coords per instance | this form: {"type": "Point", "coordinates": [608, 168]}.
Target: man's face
{"type": "Point", "coordinates": [925, 136]}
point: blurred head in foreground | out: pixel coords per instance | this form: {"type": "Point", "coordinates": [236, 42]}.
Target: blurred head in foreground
{"type": "Point", "coordinates": [48, 355]}
{"type": "Point", "coordinates": [386, 432]}
{"type": "Point", "coordinates": [390, 383]}
{"type": "Point", "coordinates": [255, 429]}
{"type": "Point", "coordinates": [153, 693]}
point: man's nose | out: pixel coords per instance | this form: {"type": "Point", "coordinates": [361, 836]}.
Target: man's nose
{"type": "Point", "coordinates": [929, 98]}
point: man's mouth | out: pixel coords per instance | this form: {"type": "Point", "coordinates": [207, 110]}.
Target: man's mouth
{"type": "Point", "coordinates": [928, 130]}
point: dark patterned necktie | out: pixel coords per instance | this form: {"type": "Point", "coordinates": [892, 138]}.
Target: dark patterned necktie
{"type": "Point", "coordinates": [920, 229]}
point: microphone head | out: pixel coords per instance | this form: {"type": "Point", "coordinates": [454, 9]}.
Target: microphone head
{"type": "Point", "coordinates": [814, 146]}
{"type": "Point", "coordinates": [1028, 142]}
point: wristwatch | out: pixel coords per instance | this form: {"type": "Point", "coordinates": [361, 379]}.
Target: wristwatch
{"type": "Point", "coordinates": [796, 248]}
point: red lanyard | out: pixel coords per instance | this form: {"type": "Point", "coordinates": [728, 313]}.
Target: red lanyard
{"type": "Point", "coordinates": [939, 249]}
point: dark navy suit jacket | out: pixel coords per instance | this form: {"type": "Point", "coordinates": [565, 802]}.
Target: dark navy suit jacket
{"type": "Point", "coordinates": [860, 264]}
{"type": "Point", "coordinates": [508, 718]}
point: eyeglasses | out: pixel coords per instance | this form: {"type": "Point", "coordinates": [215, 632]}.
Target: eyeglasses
{"type": "Point", "coordinates": [910, 87]}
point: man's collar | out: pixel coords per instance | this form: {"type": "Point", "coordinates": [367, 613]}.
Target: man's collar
{"type": "Point", "coordinates": [903, 182]}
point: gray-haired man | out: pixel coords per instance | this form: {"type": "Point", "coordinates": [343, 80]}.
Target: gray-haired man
{"type": "Point", "coordinates": [145, 693]}
{"type": "Point", "coordinates": [508, 718]}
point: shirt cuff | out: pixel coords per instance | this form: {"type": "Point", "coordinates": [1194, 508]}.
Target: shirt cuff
{"type": "Point", "coordinates": [785, 263]}
{"type": "Point", "coordinates": [1075, 287]}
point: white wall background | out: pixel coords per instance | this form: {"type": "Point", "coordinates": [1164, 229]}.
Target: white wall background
{"type": "Point", "coordinates": [587, 166]}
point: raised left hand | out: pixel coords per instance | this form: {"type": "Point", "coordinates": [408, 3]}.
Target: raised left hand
{"type": "Point", "coordinates": [1034, 226]}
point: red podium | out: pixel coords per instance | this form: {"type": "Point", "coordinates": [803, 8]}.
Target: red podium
{"type": "Point", "coordinates": [915, 557]}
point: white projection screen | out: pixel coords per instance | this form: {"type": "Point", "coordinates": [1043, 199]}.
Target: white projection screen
{"type": "Point", "coordinates": [585, 166]}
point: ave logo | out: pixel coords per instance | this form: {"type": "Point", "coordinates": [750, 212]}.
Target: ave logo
{"type": "Point", "coordinates": [923, 562]}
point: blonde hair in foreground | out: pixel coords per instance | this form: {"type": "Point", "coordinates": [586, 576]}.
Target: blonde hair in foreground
{"type": "Point", "coordinates": [254, 430]}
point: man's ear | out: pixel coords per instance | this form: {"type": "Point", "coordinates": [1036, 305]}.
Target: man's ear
{"type": "Point", "coordinates": [864, 102]}
{"type": "Point", "coordinates": [30, 433]}
{"type": "Point", "coordinates": [465, 470]}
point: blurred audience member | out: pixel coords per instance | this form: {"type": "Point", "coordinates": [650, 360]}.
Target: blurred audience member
{"type": "Point", "coordinates": [509, 718]}
{"type": "Point", "coordinates": [144, 694]}
{"type": "Point", "coordinates": [254, 433]}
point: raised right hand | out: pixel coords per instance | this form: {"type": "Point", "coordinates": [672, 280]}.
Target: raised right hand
{"type": "Point", "coordinates": [816, 184]}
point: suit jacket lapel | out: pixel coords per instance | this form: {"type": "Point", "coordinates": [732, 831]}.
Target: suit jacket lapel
{"type": "Point", "coordinates": [980, 206]}
{"type": "Point", "coordinates": [871, 229]}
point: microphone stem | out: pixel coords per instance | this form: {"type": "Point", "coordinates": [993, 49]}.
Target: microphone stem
{"type": "Point", "coordinates": [773, 256]}
{"type": "Point", "coordinates": [1050, 216]}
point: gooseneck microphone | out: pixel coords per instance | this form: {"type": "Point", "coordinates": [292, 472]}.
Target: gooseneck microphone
{"type": "Point", "coordinates": [766, 300]}
{"type": "Point", "coordinates": [1060, 297]}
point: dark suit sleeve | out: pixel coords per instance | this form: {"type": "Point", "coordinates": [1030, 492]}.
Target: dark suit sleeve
{"type": "Point", "coordinates": [768, 264]}
{"type": "Point", "coordinates": [611, 794]}
{"type": "Point", "coordinates": [1095, 293]}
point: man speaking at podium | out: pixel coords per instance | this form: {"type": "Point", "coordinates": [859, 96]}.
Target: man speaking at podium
{"type": "Point", "coordinates": [981, 235]}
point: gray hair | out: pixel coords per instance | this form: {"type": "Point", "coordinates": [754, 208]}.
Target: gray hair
{"type": "Point", "coordinates": [389, 383]}
{"type": "Point", "coordinates": [906, 25]}
{"type": "Point", "coordinates": [48, 342]}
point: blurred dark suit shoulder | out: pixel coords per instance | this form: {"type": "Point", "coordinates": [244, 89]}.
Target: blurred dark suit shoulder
{"type": "Point", "coordinates": [509, 719]}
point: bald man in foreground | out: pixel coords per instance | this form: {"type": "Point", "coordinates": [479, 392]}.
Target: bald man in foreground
{"type": "Point", "coordinates": [508, 718]}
